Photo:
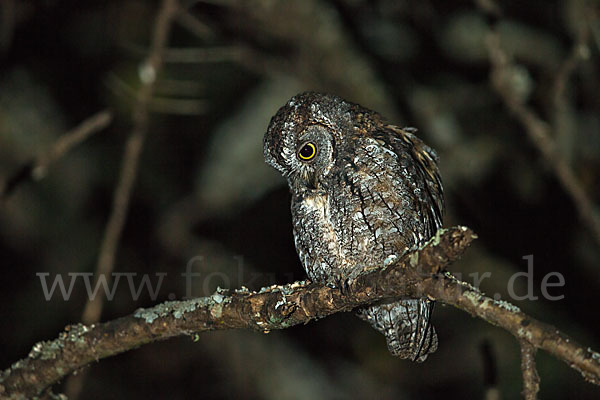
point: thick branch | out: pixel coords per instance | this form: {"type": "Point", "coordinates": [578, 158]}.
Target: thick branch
{"type": "Point", "coordinates": [276, 307]}
{"type": "Point", "coordinates": [417, 274]}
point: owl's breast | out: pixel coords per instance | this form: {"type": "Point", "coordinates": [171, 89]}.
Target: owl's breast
{"type": "Point", "coordinates": [317, 237]}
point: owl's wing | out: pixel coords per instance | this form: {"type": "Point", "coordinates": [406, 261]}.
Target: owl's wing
{"type": "Point", "coordinates": [425, 160]}
{"type": "Point", "coordinates": [396, 178]}
{"type": "Point", "coordinates": [406, 323]}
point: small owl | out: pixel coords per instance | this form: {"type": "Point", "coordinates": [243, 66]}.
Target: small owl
{"type": "Point", "coordinates": [363, 194]}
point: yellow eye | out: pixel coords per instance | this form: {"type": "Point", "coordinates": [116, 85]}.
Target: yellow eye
{"type": "Point", "coordinates": [307, 152]}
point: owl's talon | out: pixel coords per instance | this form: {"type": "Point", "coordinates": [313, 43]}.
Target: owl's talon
{"type": "Point", "coordinates": [344, 286]}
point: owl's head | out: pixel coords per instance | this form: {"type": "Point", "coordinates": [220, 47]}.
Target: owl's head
{"type": "Point", "coordinates": [305, 135]}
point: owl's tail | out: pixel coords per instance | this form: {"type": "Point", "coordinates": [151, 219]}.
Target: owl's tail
{"type": "Point", "coordinates": [406, 326]}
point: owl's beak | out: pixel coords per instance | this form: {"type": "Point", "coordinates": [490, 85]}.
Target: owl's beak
{"type": "Point", "coordinates": [309, 179]}
{"type": "Point", "coordinates": [315, 182]}
{"type": "Point", "coordinates": [312, 180]}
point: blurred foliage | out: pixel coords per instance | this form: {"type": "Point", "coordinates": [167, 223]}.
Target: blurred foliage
{"type": "Point", "coordinates": [203, 189]}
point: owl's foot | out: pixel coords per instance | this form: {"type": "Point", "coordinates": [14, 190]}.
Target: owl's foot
{"type": "Point", "coordinates": [344, 286]}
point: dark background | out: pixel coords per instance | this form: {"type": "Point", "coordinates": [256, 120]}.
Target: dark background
{"type": "Point", "coordinates": [204, 190]}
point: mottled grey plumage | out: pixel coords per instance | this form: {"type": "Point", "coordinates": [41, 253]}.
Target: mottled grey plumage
{"type": "Point", "coordinates": [369, 193]}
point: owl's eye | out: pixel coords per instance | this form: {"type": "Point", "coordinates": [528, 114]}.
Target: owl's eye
{"type": "Point", "coordinates": [308, 151]}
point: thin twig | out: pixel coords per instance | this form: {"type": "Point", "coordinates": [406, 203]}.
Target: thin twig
{"type": "Point", "coordinates": [194, 25]}
{"type": "Point", "coordinates": [560, 109]}
{"type": "Point", "coordinates": [540, 133]}
{"type": "Point", "coordinates": [37, 168]}
{"type": "Point", "coordinates": [66, 142]}
{"type": "Point", "coordinates": [131, 157]}
{"type": "Point", "coordinates": [531, 379]}
{"type": "Point", "coordinates": [579, 52]}
{"type": "Point", "coordinates": [419, 273]}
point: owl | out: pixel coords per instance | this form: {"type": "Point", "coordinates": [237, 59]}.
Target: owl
{"type": "Point", "coordinates": [363, 194]}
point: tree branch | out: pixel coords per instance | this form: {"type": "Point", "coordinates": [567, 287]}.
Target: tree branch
{"type": "Point", "coordinates": [276, 307]}
{"type": "Point", "coordinates": [531, 379]}
{"type": "Point", "coordinates": [449, 290]}
{"type": "Point", "coordinates": [37, 168]}
{"type": "Point", "coordinates": [419, 273]}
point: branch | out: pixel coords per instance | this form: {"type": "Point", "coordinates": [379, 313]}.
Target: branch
{"type": "Point", "coordinates": [531, 379]}
{"type": "Point", "coordinates": [276, 307]}
{"type": "Point", "coordinates": [37, 168]}
{"type": "Point", "coordinates": [419, 273]}
{"type": "Point", "coordinates": [449, 290]}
